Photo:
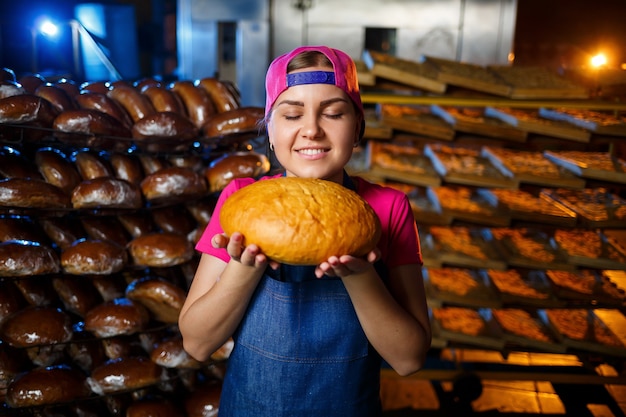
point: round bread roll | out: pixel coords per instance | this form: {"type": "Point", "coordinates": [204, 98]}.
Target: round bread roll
{"type": "Point", "coordinates": [10, 88]}
{"type": "Point", "coordinates": [102, 87]}
{"type": "Point", "coordinates": [123, 374]}
{"type": "Point", "coordinates": [126, 167]}
{"type": "Point", "coordinates": [91, 165]}
{"type": "Point", "coordinates": [69, 86]}
{"type": "Point", "coordinates": [164, 132]}
{"type": "Point", "coordinates": [57, 96]}
{"type": "Point", "coordinates": [31, 193]}
{"type": "Point", "coordinates": [145, 83]}
{"type": "Point", "coordinates": [160, 250]}
{"type": "Point", "coordinates": [241, 120]}
{"type": "Point", "coordinates": [11, 301]}
{"type": "Point", "coordinates": [198, 104]}
{"type": "Point", "coordinates": [106, 192]}
{"type": "Point", "coordinates": [137, 224]}
{"type": "Point", "coordinates": [93, 257]}
{"type": "Point", "coordinates": [91, 128]}
{"type": "Point", "coordinates": [63, 231]}
{"type": "Point", "coordinates": [105, 228]}
{"type": "Point", "coordinates": [162, 298]}
{"type": "Point", "coordinates": [220, 94]}
{"type": "Point", "coordinates": [77, 294]}
{"type": "Point", "coordinates": [20, 228]}
{"type": "Point", "coordinates": [169, 353]}
{"type": "Point", "coordinates": [105, 104]}
{"type": "Point", "coordinates": [19, 258]}
{"type": "Point", "coordinates": [57, 170]}
{"type": "Point", "coordinates": [37, 326]}
{"type": "Point", "coordinates": [27, 109]}
{"type": "Point", "coordinates": [46, 386]}
{"type": "Point", "coordinates": [136, 104]}
{"type": "Point", "coordinates": [117, 317]}
{"type": "Point", "coordinates": [235, 165]}
{"type": "Point", "coordinates": [14, 165]}
{"type": "Point", "coordinates": [174, 219]}
{"type": "Point", "coordinates": [30, 82]}
{"type": "Point", "coordinates": [172, 183]}
{"type": "Point", "coordinates": [164, 100]}
{"type": "Point", "coordinates": [204, 400]}
{"type": "Point", "coordinates": [301, 221]}
{"type": "Point", "coordinates": [152, 163]}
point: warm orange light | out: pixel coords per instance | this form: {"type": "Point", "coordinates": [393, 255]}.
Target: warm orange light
{"type": "Point", "coordinates": [598, 60]}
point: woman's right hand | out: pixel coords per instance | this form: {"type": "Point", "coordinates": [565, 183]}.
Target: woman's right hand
{"type": "Point", "coordinates": [250, 255]}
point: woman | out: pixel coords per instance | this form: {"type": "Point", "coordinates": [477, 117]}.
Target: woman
{"type": "Point", "coordinates": [309, 341]}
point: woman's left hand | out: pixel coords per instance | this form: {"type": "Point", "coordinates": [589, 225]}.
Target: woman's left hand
{"type": "Point", "coordinates": [345, 265]}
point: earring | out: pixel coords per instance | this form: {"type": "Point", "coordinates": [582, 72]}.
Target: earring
{"type": "Point", "coordinates": [271, 147]}
{"type": "Point", "coordinates": [356, 144]}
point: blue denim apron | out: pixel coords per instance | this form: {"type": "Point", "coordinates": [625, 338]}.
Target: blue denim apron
{"type": "Point", "coordinates": [300, 351]}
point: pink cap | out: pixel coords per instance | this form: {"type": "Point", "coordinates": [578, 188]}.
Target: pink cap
{"type": "Point", "coordinates": [344, 75]}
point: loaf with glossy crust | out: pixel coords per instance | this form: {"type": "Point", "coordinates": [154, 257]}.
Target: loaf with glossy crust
{"type": "Point", "coordinates": [163, 99]}
{"type": "Point", "coordinates": [106, 192]}
{"type": "Point", "coordinates": [27, 109]}
{"type": "Point", "coordinates": [221, 96]}
{"type": "Point", "coordinates": [30, 193]}
{"type": "Point", "coordinates": [124, 374]}
{"type": "Point", "coordinates": [302, 221]}
{"type": "Point", "coordinates": [37, 326]}
{"type": "Point", "coordinates": [57, 170]}
{"type": "Point", "coordinates": [164, 132]}
{"type": "Point", "coordinates": [172, 183]}
{"type": "Point", "coordinates": [105, 104]}
{"type": "Point", "coordinates": [46, 386]}
{"type": "Point", "coordinates": [93, 128]}
{"type": "Point", "coordinates": [197, 101]}
{"type": "Point", "coordinates": [161, 297]}
{"type": "Point", "coordinates": [160, 249]}
{"type": "Point", "coordinates": [93, 257]}
{"type": "Point", "coordinates": [235, 165]}
{"type": "Point", "coordinates": [57, 96]}
{"type": "Point", "coordinates": [243, 119]}
{"type": "Point", "coordinates": [19, 258]}
{"type": "Point", "coordinates": [120, 316]}
{"type": "Point", "coordinates": [136, 104]}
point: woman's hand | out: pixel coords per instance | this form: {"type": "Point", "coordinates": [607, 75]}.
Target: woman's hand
{"type": "Point", "coordinates": [250, 255]}
{"type": "Point", "coordinates": [346, 265]}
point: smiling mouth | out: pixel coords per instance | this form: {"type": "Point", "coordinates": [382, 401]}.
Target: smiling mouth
{"type": "Point", "coordinates": [311, 151]}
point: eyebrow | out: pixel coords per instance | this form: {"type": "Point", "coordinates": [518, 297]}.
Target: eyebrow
{"type": "Point", "coordinates": [322, 104]}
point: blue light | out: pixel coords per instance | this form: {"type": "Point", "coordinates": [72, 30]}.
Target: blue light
{"type": "Point", "coordinates": [47, 28]}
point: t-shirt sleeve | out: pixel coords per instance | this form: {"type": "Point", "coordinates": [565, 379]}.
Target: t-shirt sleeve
{"type": "Point", "coordinates": [404, 244]}
{"type": "Point", "coordinates": [214, 227]}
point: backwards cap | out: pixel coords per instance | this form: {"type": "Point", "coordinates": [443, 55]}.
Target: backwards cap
{"type": "Point", "coordinates": [344, 75]}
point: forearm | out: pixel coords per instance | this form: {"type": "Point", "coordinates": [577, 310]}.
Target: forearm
{"type": "Point", "coordinates": [213, 317]}
{"type": "Point", "coordinates": [397, 335]}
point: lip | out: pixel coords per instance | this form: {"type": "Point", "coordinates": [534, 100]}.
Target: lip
{"type": "Point", "coordinates": [312, 153]}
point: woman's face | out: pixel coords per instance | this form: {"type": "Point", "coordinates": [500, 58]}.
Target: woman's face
{"type": "Point", "coordinates": [313, 128]}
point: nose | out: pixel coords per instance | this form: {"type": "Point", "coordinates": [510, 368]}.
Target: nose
{"type": "Point", "coordinates": [311, 128]}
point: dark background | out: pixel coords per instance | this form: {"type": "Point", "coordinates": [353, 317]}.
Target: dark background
{"type": "Point", "coordinates": [553, 33]}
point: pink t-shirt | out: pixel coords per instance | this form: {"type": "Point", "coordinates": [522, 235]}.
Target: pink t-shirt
{"type": "Point", "coordinates": [399, 241]}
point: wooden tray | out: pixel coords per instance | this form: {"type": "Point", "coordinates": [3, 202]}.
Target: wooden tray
{"type": "Point", "coordinates": [597, 122]}
{"type": "Point", "coordinates": [364, 75]}
{"type": "Point", "coordinates": [475, 121]}
{"type": "Point", "coordinates": [530, 121]}
{"type": "Point", "coordinates": [415, 74]}
{"type": "Point", "coordinates": [466, 326]}
{"type": "Point", "coordinates": [402, 163]}
{"type": "Point", "coordinates": [585, 286]}
{"type": "Point", "coordinates": [465, 247]}
{"type": "Point", "coordinates": [595, 207]}
{"type": "Point", "coordinates": [538, 83]}
{"type": "Point", "coordinates": [522, 205]}
{"type": "Point", "coordinates": [583, 330]}
{"type": "Point", "coordinates": [594, 165]}
{"type": "Point", "coordinates": [427, 209]}
{"type": "Point", "coordinates": [531, 167]}
{"type": "Point", "coordinates": [518, 287]}
{"type": "Point", "coordinates": [467, 166]}
{"type": "Point", "coordinates": [529, 248]}
{"type": "Point", "coordinates": [527, 329]}
{"type": "Point", "coordinates": [460, 287]}
{"type": "Point", "coordinates": [471, 76]}
{"type": "Point", "coordinates": [416, 120]}
{"type": "Point", "coordinates": [468, 204]}
{"type": "Point", "coordinates": [590, 249]}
